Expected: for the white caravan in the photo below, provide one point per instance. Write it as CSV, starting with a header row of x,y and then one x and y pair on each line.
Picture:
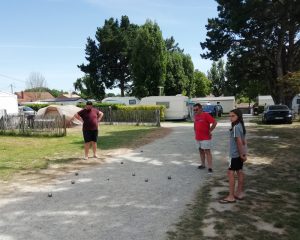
x,y
176,106
296,104
8,103
121,100
227,103
265,100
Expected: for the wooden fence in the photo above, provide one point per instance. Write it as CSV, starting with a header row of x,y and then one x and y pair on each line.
x,y
33,125
136,117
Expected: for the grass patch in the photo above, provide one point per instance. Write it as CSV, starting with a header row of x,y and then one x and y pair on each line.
x,y
32,153
271,209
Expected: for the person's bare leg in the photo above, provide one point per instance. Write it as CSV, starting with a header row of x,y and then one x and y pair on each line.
x,y
240,187
94,144
208,158
230,197
86,149
202,157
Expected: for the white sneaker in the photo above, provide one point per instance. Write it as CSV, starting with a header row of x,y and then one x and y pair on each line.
x,y
86,158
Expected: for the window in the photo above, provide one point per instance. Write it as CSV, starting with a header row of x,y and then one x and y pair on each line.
x,y
298,100
166,104
132,102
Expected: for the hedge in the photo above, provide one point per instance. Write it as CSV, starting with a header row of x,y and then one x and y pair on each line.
x,y
37,106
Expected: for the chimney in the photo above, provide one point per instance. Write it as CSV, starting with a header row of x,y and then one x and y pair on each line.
x,y
22,95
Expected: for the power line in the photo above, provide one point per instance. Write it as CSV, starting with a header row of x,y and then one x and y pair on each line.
x,y
12,78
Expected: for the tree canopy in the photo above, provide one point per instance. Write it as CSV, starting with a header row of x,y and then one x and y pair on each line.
x,y
264,36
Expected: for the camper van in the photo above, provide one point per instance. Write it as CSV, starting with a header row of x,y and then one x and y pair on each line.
x,y
227,103
265,100
8,103
176,106
296,104
121,100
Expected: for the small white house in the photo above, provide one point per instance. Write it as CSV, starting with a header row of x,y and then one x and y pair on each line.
x,y
296,103
228,103
176,106
122,100
265,100
8,103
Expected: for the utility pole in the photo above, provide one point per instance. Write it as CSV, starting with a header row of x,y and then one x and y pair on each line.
x,y
11,88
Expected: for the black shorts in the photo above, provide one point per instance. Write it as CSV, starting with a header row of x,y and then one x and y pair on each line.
x,y
90,135
236,164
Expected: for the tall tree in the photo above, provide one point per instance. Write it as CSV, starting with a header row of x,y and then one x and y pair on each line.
x,y
36,83
148,60
202,84
266,31
109,56
188,68
216,75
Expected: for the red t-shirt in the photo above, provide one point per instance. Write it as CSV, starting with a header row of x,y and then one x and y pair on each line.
x,y
90,118
202,123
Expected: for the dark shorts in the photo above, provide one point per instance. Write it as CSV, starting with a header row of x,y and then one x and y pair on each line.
x,y
236,164
90,135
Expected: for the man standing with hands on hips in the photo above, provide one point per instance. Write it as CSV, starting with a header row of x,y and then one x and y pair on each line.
x,y
90,117
204,124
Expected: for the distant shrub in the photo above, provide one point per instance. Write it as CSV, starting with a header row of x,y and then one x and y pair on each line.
x,y
37,106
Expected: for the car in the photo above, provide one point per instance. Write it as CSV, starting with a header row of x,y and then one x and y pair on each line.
x,y
211,109
26,111
277,113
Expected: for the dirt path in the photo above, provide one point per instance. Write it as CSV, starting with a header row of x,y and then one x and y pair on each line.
x,y
108,202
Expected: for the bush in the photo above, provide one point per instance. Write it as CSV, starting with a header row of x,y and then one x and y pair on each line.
x,y
37,106
115,106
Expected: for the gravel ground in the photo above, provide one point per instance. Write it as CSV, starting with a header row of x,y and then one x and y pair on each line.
x,y
108,203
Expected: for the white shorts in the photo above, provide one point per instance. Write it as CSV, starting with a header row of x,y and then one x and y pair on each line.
x,y
204,144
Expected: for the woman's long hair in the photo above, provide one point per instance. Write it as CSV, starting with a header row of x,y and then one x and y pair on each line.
x,y
240,119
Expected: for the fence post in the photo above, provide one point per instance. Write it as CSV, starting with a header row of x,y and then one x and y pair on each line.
x,y
64,125
110,115
157,112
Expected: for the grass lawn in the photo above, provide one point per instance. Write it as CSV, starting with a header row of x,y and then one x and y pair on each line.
x,y
271,208
33,153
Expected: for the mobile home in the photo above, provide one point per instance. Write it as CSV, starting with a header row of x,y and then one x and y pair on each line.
x,y
265,100
296,104
8,103
228,103
176,106
121,100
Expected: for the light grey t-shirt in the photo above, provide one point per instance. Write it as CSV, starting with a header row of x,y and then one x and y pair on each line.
x,y
237,131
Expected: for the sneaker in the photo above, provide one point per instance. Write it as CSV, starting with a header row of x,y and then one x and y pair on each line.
x,y
210,170
86,158
201,167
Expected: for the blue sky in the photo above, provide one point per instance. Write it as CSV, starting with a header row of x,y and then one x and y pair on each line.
x,y
49,36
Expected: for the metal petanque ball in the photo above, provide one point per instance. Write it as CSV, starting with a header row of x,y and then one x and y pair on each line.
x,y
76,174
107,179
169,177
72,181
49,194
121,162
146,180
133,174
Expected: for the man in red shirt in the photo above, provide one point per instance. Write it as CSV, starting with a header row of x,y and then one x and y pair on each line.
x,y
90,117
204,124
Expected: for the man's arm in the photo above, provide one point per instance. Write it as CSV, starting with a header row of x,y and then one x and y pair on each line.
x,y
100,115
213,126
78,117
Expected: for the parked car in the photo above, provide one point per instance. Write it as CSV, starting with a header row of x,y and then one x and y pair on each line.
x,y
26,111
211,109
277,113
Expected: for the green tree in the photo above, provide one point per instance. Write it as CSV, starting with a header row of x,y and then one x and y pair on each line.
x,y
148,60
188,68
216,75
202,84
109,56
266,32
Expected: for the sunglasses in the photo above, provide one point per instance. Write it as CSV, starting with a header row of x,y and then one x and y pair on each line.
x,y
195,110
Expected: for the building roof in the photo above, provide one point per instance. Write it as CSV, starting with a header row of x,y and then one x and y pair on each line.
x,y
33,96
